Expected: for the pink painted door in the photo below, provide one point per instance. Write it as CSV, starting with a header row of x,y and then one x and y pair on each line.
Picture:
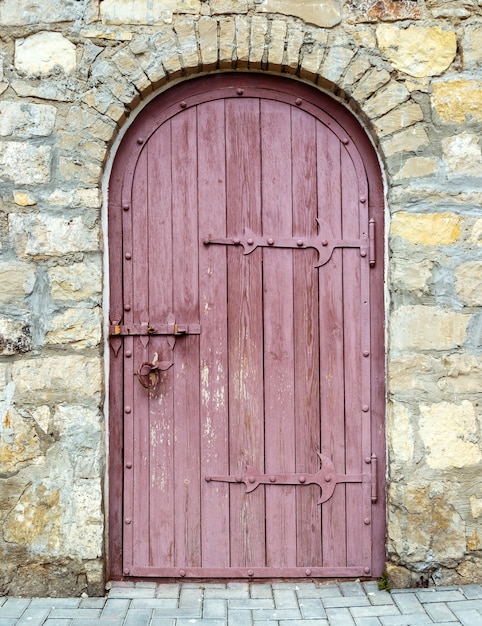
x,y
247,337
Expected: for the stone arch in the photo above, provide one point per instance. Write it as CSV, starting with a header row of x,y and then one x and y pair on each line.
x,y
124,75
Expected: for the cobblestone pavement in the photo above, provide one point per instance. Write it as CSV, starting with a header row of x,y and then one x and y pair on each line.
x,y
252,604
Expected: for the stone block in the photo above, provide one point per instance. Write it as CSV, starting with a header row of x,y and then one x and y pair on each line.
x,y
208,43
219,7
15,337
78,282
16,281
227,43
293,48
419,374
313,52
370,82
386,99
357,68
411,275
450,434
418,327
276,45
58,88
407,140
167,47
336,61
243,36
451,8
472,45
258,43
417,50
401,117
430,229
400,434
43,52
83,526
23,119
24,163
26,12
468,283
461,374
147,12
20,445
188,43
462,154
45,236
73,198
79,328
416,167
458,99
325,14
380,10
73,379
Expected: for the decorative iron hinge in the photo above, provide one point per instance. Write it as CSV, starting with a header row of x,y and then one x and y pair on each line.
x,y
326,478
250,241
136,330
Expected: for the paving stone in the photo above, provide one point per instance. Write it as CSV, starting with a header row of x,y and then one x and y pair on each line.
x,y
13,608
311,608
469,617
472,592
285,598
57,622
373,611
7,622
475,605
440,612
260,590
439,596
190,597
162,622
239,617
303,622
115,608
202,622
92,603
276,614
367,621
75,613
251,603
214,607
33,617
415,619
329,591
344,601
156,603
56,603
352,589
408,603
138,617
167,591
307,590
131,592
340,617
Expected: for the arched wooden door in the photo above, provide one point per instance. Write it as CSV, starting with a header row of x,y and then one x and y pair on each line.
x,y
246,250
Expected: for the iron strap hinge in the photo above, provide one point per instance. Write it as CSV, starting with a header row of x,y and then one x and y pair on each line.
x,y
136,330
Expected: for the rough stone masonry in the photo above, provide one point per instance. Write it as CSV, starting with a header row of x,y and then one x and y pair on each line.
x,y
72,73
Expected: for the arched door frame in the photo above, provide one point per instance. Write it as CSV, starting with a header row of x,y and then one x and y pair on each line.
x,y
355,131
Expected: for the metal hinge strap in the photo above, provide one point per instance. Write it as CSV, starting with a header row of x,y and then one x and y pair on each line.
x,y
137,330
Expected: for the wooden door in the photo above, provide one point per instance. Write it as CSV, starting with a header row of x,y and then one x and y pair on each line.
x,y
246,340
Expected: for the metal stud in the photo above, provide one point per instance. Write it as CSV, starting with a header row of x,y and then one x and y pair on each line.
x,y
140,140
127,520
128,354
366,521
239,91
299,101
366,570
127,307
250,242
126,207
299,243
183,105
128,409
308,571
128,465
182,573
366,353
270,242
345,141
302,479
365,408
128,256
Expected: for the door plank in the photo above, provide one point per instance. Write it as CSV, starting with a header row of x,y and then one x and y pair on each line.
x,y
306,337
160,243
187,530
213,340
331,345
275,124
245,328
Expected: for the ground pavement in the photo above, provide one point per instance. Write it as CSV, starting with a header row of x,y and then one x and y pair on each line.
x,y
252,604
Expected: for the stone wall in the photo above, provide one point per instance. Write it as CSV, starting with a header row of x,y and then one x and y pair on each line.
x,y
71,74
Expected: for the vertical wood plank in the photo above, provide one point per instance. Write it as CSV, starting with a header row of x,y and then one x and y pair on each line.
x,y
162,520
306,337
278,332
186,366
331,345
352,358
213,340
245,327
138,257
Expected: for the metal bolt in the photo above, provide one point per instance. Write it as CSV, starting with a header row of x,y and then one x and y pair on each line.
x,y
128,256
127,307
367,521
368,460
128,465
252,479
345,141
128,409
299,242
324,242
270,242
327,478
308,572
126,207
239,91
250,573
299,101
365,408
140,140
272,479
182,573
363,252
302,479
128,354
363,199
126,572
183,105
127,520
366,353
250,241
366,570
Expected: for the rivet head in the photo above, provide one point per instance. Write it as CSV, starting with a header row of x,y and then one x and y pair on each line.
x,y
366,353
365,408
299,101
183,105
302,479
368,460
126,207
239,91
182,573
270,242
272,479
128,354
127,307
250,242
324,242
140,140
327,478
252,479
366,570
128,465
236,241
128,256
250,573
345,141
127,409
126,572
363,199
308,571
367,521
127,520
299,243
363,253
